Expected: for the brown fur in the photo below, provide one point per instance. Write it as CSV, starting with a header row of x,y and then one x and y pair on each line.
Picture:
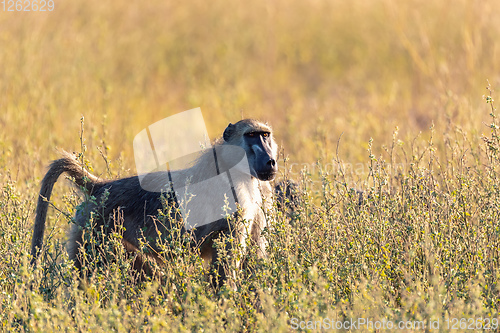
x,y
138,208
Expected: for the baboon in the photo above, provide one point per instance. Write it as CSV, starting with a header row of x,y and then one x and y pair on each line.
x,y
139,207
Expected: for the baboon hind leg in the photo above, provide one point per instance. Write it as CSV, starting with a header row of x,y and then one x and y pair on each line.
x,y
74,245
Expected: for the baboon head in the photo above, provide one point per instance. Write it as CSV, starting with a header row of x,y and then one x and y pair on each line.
x,y
257,140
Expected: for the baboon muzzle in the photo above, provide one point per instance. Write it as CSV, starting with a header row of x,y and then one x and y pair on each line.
x,y
265,164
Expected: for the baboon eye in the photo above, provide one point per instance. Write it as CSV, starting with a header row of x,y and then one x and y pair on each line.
x,y
251,134
265,135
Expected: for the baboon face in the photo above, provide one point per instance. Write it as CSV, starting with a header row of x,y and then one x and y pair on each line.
x,y
261,156
257,141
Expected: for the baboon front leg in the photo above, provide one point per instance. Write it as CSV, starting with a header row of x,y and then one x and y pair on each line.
x,y
220,262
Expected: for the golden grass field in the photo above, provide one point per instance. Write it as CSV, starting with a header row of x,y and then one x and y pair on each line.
x,y
391,91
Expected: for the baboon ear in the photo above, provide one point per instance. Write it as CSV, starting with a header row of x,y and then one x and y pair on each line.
x,y
228,132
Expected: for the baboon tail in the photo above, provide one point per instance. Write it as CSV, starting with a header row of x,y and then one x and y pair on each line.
x,y
69,164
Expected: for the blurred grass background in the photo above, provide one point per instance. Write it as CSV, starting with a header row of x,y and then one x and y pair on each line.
x,y
313,69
